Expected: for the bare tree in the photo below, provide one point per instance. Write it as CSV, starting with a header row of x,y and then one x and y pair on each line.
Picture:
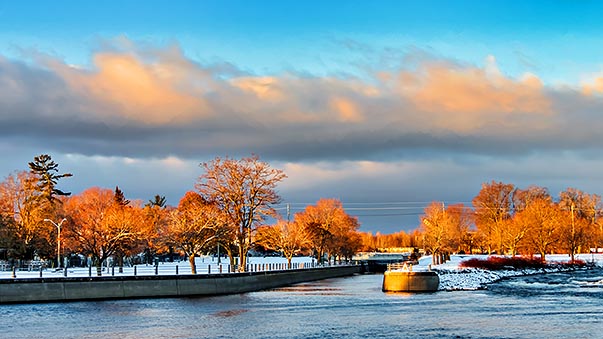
x,y
583,210
461,219
435,223
244,190
493,205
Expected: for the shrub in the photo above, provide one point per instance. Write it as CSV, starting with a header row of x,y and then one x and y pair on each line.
x,y
503,263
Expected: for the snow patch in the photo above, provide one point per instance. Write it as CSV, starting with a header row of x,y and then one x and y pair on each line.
x,y
455,278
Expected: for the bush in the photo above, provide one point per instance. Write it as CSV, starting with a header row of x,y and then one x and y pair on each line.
x,y
503,263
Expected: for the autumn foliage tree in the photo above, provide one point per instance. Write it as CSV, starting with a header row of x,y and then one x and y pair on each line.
x,y
28,233
100,227
330,228
156,214
244,190
194,225
544,219
289,238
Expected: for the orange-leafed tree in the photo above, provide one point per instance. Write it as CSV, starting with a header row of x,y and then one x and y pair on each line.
x,y
28,233
543,219
329,226
436,226
517,229
194,225
245,191
100,227
290,238
346,240
156,218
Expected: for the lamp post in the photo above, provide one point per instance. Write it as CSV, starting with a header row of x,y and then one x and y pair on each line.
x,y
58,239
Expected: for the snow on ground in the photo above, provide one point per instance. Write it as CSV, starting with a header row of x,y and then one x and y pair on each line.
x,y
205,265
453,277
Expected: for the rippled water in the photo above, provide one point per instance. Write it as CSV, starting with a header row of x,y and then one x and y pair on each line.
x,y
542,306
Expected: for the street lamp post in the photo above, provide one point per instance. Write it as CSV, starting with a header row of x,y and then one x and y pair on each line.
x,y
58,239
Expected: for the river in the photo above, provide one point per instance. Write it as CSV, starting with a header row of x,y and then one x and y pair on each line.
x,y
561,305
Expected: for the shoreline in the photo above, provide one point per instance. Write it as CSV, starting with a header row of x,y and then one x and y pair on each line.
x,y
456,278
473,279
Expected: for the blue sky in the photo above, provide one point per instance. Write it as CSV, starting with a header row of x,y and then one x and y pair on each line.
x,y
372,102
559,38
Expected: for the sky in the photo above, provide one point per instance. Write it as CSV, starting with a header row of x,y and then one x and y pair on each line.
x,y
384,105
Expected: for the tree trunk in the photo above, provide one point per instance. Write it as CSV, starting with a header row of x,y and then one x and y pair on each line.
x,y
243,256
191,260
120,260
289,262
99,269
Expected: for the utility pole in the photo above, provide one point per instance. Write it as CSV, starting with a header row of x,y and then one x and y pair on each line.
x,y
58,226
288,212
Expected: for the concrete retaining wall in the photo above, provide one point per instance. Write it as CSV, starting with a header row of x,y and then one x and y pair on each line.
x,y
69,289
404,281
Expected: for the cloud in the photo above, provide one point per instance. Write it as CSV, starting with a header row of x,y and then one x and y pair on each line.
x,y
147,101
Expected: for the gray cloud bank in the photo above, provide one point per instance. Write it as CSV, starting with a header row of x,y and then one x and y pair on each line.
x,y
137,102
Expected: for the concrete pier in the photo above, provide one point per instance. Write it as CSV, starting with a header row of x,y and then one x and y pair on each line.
x,y
405,281
94,288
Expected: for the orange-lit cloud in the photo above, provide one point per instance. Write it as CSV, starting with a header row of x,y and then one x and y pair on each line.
x,y
470,98
158,102
138,92
265,88
347,110
594,86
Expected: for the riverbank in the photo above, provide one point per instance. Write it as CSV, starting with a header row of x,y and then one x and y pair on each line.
x,y
126,287
453,277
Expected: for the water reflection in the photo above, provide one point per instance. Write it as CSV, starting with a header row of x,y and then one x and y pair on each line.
x,y
551,306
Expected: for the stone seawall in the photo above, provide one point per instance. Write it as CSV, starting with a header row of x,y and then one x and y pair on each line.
x,y
94,288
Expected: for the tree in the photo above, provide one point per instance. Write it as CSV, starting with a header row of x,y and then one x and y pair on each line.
x,y
290,238
194,225
436,223
523,197
543,218
158,201
120,198
493,206
516,230
582,210
99,227
46,172
156,217
461,219
244,190
328,225
18,203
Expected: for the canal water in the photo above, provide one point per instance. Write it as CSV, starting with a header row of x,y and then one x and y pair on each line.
x,y
563,305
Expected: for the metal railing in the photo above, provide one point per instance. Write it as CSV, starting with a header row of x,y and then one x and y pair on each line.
x,y
180,268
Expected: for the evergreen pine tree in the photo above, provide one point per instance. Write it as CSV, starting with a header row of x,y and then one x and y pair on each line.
x,y
46,172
